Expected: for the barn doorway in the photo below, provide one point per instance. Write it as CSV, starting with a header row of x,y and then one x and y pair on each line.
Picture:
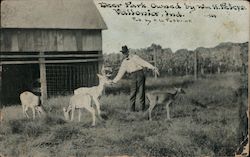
x,y
17,79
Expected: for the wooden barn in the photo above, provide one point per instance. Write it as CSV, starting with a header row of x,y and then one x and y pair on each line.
x,y
57,43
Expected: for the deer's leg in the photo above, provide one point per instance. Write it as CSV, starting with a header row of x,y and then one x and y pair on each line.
x,y
34,112
37,109
150,112
93,116
92,111
168,109
26,109
66,114
38,112
97,107
79,115
72,113
151,107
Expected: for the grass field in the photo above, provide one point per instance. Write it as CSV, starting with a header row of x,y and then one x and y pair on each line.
x,y
210,129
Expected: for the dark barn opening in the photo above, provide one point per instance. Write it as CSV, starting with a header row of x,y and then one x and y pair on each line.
x,y
17,79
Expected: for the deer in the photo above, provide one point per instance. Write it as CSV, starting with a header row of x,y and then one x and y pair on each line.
x,y
30,100
96,91
79,102
166,98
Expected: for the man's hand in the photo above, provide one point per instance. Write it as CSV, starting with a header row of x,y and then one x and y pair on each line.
x,y
156,71
112,82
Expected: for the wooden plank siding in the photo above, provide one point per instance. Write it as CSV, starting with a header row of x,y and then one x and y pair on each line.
x,y
36,40
1,72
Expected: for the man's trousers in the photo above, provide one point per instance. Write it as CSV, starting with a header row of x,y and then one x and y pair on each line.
x,y
137,89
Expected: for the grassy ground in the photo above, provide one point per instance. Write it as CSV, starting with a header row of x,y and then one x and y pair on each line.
x,y
204,123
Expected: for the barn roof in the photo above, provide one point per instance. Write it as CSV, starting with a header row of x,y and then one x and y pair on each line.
x,y
64,14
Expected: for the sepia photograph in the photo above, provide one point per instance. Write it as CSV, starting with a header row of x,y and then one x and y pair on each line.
x,y
124,78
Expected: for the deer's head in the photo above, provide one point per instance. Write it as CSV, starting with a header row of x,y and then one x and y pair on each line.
x,y
103,79
104,76
40,110
180,90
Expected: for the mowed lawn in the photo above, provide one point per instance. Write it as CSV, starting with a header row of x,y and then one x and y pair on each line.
x,y
204,122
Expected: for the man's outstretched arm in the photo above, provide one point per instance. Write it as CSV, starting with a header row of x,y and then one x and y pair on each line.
x,y
144,63
120,73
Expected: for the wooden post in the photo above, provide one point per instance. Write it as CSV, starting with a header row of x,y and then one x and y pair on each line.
x,y
195,65
1,101
186,67
100,62
218,68
43,78
155,62
202,70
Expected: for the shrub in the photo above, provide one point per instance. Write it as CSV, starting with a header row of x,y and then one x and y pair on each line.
x,y
64,133
54,120
17,126
27,127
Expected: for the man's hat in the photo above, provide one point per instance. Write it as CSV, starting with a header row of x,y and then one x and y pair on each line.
x,y
124,49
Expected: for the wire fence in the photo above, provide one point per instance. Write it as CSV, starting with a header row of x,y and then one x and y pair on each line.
x,y
62,79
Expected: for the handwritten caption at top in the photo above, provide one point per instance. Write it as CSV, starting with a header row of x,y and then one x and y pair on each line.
x,y
176,12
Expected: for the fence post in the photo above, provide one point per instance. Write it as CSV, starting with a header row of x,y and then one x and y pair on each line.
x,y
100,62
1,101
219,67
195,65
155,63
186,67
43,77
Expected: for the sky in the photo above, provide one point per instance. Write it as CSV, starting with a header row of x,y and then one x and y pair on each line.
x,y
208,27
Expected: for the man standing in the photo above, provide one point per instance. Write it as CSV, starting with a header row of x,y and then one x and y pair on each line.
x,y
134,65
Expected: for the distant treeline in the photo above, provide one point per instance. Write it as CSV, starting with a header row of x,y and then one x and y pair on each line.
x,y
225,57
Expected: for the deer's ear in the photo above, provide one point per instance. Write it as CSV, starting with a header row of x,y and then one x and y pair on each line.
x,y
99,75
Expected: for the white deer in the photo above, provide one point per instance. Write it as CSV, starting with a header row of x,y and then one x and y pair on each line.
x,y
96,91
29,100
79,102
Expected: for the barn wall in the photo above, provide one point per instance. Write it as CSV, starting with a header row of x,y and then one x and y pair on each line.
x,y
30,40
